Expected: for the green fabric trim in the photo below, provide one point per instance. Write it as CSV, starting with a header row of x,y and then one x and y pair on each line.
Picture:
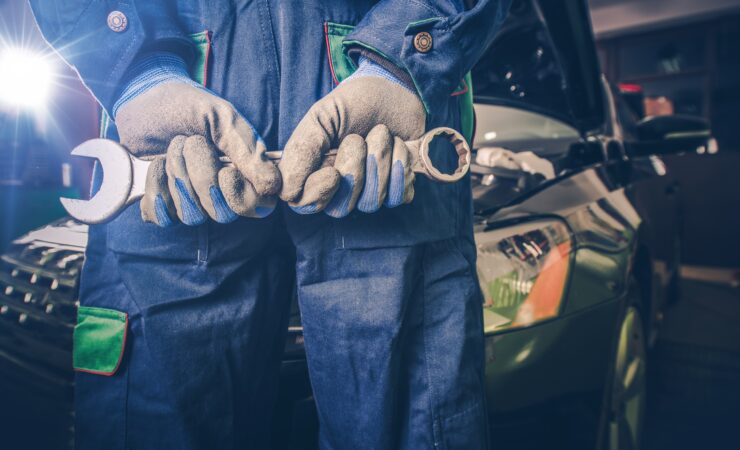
x,y
99,340
342,65
202,43
104,123
467,113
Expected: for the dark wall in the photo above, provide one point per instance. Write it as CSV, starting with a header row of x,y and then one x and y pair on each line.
x,y
710,186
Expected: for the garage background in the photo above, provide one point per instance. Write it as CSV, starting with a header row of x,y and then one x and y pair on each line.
x,y
684,55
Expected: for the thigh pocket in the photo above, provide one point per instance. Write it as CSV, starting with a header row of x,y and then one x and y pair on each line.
x,y
466,430
100,387
99,340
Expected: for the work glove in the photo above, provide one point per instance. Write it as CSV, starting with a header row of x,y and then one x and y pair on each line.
x,y
367,117
184,128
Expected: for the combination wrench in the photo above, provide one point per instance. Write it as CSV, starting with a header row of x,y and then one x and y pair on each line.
x,y
124,175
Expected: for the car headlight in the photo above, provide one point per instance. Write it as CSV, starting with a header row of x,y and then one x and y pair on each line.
x,y
523,272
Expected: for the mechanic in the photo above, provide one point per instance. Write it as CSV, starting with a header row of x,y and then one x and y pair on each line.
x,y
181,326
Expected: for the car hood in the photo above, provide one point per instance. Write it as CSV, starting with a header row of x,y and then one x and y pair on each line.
x,y
544,60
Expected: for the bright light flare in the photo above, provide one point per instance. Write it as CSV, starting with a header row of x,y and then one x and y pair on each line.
x,y
25,78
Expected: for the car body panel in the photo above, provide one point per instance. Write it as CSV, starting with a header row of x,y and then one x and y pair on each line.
x,y
561,358
546,384
561,365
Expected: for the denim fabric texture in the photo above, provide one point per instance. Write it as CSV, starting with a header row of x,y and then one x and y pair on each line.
x,y
390,302
393,340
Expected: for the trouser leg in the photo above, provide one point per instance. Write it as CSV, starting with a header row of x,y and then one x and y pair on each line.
x,y
394,345
202,351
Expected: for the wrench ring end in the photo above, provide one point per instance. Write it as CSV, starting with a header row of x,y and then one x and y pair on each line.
x,y
461,147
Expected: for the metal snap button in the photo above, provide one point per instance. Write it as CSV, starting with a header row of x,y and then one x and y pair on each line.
x,y
423,42
117,21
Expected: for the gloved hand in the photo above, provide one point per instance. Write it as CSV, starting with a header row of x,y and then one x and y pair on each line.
x,y
368,116
184,128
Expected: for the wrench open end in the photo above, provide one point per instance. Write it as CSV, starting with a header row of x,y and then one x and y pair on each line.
x,y
113,194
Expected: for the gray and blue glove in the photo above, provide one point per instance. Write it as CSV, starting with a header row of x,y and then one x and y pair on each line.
x,y
367,117
184,128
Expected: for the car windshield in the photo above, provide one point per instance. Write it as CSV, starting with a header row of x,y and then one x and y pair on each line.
x,y
517,151
518,130
525,132
521,67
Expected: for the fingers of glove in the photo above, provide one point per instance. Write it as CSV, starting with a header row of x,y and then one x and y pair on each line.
x,y
238,140
240,196
183,195
377,171
350,163
202,165
401,183
303,152
156,204
319,189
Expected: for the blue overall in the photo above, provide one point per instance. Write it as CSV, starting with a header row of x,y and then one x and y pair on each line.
x,y
390,302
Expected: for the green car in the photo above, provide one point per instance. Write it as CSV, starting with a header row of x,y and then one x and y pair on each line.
x,y
578,235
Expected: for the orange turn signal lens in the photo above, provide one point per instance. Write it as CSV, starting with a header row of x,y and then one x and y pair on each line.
x,y
523,272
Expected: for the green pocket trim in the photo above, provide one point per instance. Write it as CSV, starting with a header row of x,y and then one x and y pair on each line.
x,y
199,68
340,65
104,124
467,112
99,340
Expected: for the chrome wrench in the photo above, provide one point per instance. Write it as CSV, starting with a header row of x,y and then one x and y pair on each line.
x,y
124,175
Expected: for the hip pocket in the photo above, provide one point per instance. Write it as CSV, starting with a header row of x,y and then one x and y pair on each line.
x,y
466,430
99,340
101,385
129,234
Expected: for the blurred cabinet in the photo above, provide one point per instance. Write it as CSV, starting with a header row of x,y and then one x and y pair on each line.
x,y
693,69
662,55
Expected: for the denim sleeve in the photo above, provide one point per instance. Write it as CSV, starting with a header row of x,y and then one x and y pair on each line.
x,y
79,31
459,35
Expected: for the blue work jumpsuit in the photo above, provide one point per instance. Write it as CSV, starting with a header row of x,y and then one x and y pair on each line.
x,y
181,329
